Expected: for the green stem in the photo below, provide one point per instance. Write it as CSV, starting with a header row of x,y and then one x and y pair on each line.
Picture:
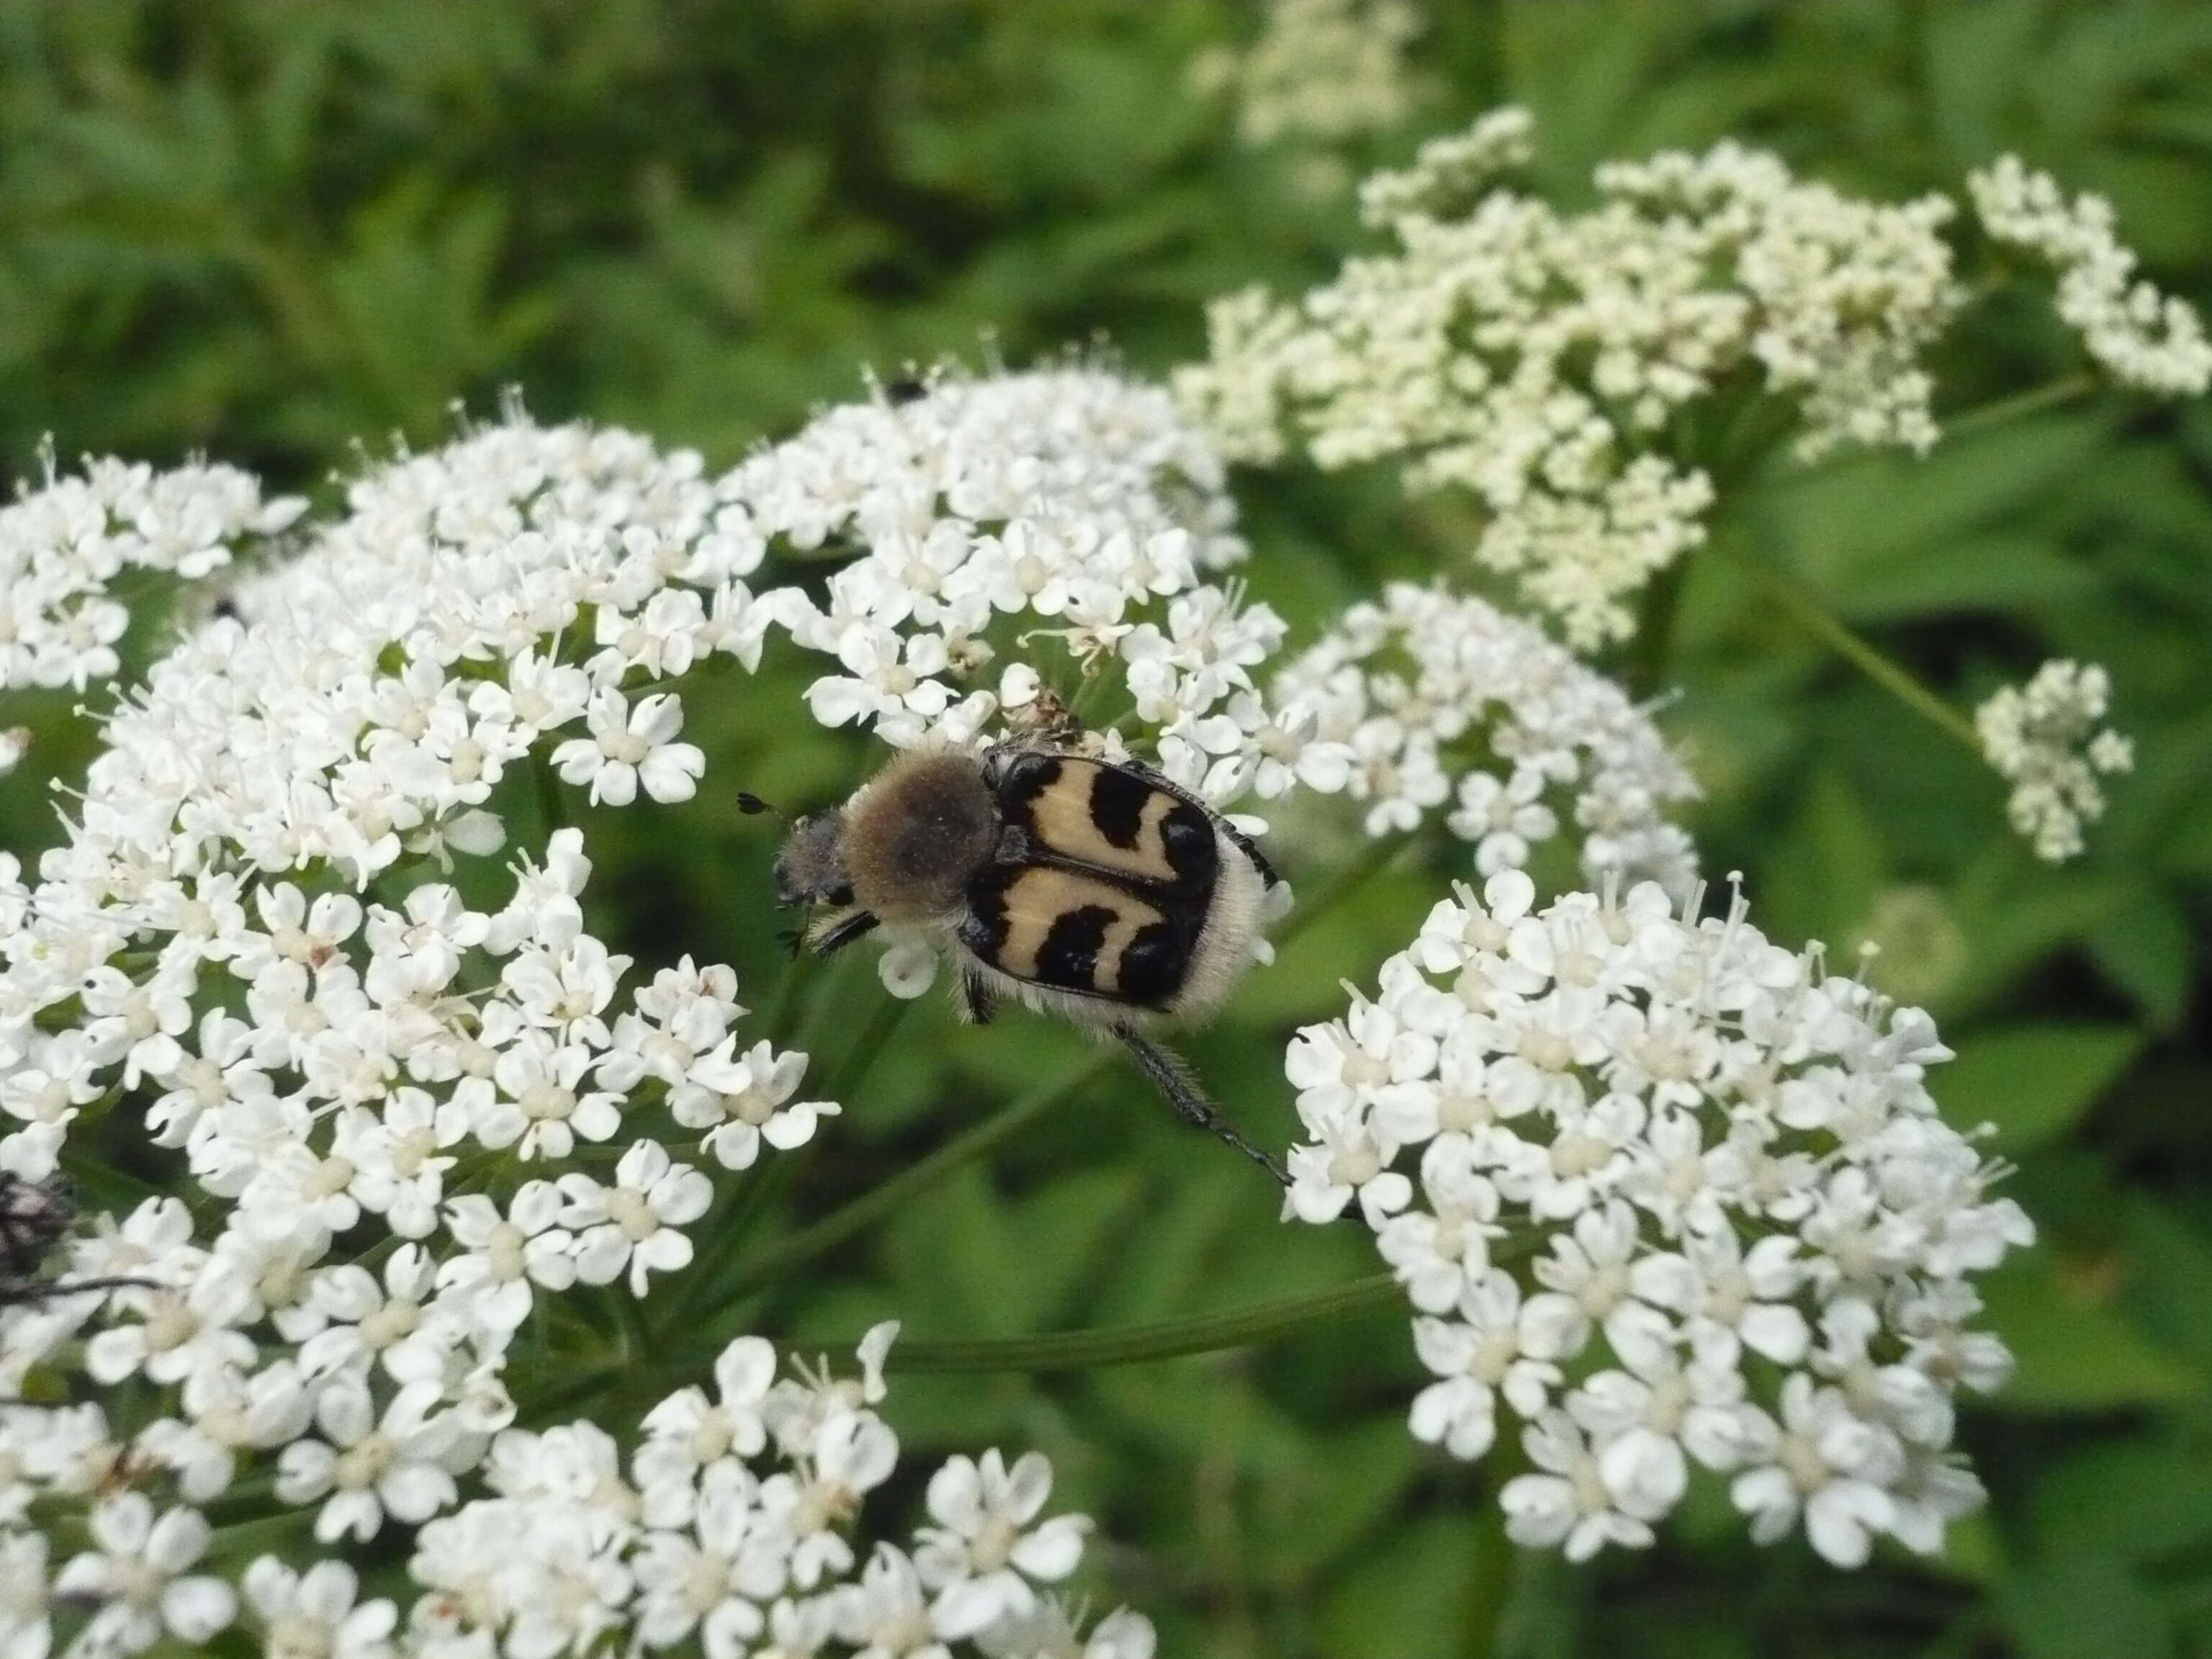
x,y
1805,606
1128,1345
243,1538
777,1019
2052,394
549,793
862,1054
796,1248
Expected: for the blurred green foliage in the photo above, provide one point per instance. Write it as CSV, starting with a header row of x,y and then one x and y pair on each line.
x,y
266,228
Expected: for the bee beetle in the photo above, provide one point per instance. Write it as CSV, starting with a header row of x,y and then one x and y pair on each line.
x,y
1095,889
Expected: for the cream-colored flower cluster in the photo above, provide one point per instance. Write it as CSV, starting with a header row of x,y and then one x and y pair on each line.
x,y
2044,738
1322,70
1541,360
2151,341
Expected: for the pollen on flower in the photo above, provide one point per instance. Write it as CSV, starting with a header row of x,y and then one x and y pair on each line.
x,y
1756,1238
2045,739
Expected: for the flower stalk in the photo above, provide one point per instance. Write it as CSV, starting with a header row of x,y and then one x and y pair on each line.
x,y
1166,1338
1805,609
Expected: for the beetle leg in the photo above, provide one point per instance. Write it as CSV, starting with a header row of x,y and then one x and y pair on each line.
x,y
981,1002
31,1292
1172,1077
840,933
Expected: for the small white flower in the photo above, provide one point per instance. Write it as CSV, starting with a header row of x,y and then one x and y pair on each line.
x,y
543,1114
134,1575
315,1613
632,746
887,1615
744,1101
687,1429
507,1256
634,1223
388,1325
982,1552
851,1453
370,1468
701,1578
1570,1506
1825,1464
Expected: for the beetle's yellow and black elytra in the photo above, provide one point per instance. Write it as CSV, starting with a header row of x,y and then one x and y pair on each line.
x,y
1111,888
1093,889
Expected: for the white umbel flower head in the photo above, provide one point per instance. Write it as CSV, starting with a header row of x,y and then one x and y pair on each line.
x,y
1536,359
1320,70
1744,1209
1408,682
2143,338
63,544
390,1108
2044,739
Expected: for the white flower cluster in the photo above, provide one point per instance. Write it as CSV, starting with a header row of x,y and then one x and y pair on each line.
x,y
2043,739
1442,701
1539,359
2152,341
62,545
967,558
732,1524
250,938
1069,505
1326,71
1753,1237
991,513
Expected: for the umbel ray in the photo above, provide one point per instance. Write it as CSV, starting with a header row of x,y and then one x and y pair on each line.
x,y
1094,889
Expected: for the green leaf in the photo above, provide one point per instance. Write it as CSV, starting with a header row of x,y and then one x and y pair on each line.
x,y
2139,1499
2001,573
2082,1607
2033,1082
2145,950
1859,519
1412,1600
1833,863
2074,1354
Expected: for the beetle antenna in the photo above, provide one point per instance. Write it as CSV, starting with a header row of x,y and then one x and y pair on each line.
x,y
1172,1077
